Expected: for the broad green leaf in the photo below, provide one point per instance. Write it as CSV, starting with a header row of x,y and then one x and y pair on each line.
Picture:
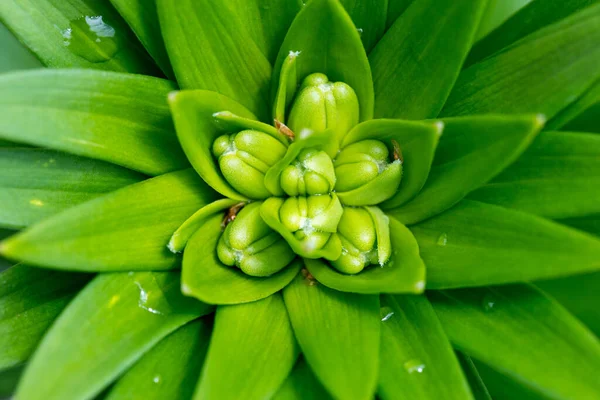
x,y
478,244
193,114
302,384
589,223
502,387
30,300
404,273
478,388
76,33
524,334
395,9
369,17
339,334
410,80
267,21
37,183
170,370
142,17
530,75
15,55
211,49
8,381
587,121
120,118
496,12
106,328
534,16
557,177
329,43
416,359
205,277
581,115
122,231
251,352
471,152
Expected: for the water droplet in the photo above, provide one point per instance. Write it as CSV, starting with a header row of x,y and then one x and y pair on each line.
x,y
360,31
386,313
443,239
489,302
145,300
91,38
156,379
414,365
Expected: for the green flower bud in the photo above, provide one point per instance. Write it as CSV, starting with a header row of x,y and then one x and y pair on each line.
x,y
244,159
365,175
252,246
312,173
321,105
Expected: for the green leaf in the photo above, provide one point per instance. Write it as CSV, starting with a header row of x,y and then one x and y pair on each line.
x,y
302,384
37,183
125,230
170,369
8,381
524,334
480,391
416,359
404,273
477,244
530,75
119,118
582,114
556,162
107,327
471,152
197,129
496,12
16,56
210,49
61,37
532,17
251,352
142,17
395,9
205,277
329,43
410,80
339,335
502,387
589,223
369,17
4,263
30,300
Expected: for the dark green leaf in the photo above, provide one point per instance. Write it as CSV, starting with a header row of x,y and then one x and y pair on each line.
x,y
8,381
339,335
557,177
170,370
589,223
251,352
301,384
480,391
119,118
410,80
37,183
496,12
369,17
417,361
30,300
524,334
477,244
328,42
395,9
581,115
4,263
125,230
108,326
76,33
206,278
543,73
471,151
15,55
502,387
211,49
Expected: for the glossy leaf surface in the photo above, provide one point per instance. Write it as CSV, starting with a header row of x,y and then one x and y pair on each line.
x,y
107,327
125,230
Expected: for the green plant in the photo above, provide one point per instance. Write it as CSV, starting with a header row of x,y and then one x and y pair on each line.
x,y
423,179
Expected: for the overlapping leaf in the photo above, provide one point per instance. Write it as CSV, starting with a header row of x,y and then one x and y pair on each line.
x,y
16,56
301,384
581,115
369,17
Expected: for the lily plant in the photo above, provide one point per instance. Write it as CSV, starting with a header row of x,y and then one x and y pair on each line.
x,y
276,199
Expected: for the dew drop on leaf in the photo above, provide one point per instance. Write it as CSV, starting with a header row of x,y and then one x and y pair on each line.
x,y
91,38
156,379
442,239
386,313
414,366
488,302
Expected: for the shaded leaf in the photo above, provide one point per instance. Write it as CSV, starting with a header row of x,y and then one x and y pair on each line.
x,y
395,9
59,34
496,12
210,49
339,334
30,300
125,230
524,334
530,75
369,18
16,56
9,379
170,369
301,384
120,118
477,244
589,223
409,79
4,263
557,177
480,391
105,329
261,332
416,359
37,183
471,152
502,387
205,277
581,115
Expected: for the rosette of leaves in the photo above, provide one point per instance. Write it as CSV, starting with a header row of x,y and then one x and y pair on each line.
x,y
492,284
